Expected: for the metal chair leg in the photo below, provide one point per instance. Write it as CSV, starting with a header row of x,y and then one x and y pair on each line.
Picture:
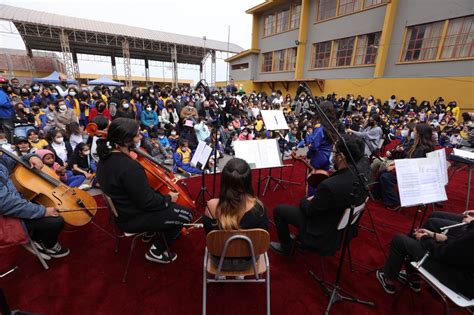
x,y
132,247
268,283
37,253
204,283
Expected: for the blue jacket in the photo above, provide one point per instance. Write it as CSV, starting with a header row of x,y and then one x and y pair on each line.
x,y
320,149
149,118
6,105
11,202
164,142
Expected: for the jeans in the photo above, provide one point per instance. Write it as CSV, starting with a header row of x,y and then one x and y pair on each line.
x,y
45,230
22,130
6,125
285,215
74,180
388,181
169,221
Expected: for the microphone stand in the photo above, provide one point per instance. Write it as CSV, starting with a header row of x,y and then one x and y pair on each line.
x,y
337,294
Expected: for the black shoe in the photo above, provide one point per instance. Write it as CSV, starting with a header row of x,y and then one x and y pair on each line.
x,y
280,249
389,288
162,257
40,249
148,236
57,251
403,277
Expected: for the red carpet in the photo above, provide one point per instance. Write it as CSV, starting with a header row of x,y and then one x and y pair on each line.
x,y
88,281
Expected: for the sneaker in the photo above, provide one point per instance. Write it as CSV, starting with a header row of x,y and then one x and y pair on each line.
x,y
279,249
40,249
57,251
415,286
148,236
389,288
85,187
162,257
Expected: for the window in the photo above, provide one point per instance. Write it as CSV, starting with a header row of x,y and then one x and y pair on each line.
x,y
295,16
279,60
367,46
267,62
322,53
269,25
371,3
459,39
326,9
291,59
283,19
348,6
240,66
342,54
422,41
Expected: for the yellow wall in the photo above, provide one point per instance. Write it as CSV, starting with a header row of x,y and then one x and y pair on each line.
x,y
460,89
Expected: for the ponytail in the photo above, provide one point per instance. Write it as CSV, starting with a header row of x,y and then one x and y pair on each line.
x,y
104,149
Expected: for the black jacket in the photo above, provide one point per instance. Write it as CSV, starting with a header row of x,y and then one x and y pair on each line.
x,y
325,210
124,180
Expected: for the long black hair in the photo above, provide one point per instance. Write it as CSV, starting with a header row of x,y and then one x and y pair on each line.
x,y
120,133
328,109
235,188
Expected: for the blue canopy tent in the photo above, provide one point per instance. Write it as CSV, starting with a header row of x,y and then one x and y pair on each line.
x,y
54,78
104,81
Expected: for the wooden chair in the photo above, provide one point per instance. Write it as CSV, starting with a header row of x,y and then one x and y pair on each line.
x,y
252,243
118,234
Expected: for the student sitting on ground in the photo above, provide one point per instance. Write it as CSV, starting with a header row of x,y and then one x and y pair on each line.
x,y
182,159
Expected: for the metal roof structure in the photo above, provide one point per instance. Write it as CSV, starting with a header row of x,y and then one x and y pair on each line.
x,y
72,35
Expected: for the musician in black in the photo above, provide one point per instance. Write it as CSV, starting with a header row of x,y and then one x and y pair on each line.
x,y
139,207
317,217
451,258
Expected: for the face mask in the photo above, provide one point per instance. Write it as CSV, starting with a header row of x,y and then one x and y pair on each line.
x,y
148,109
3,141
101,108
62,108
72,93
230,128
245,134
59,140
36,88
152,91
184,149
173,133
55,94
161,137
404,133
86,152
126,105
412,135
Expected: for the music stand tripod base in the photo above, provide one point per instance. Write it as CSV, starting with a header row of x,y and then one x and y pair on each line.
x,y
278,182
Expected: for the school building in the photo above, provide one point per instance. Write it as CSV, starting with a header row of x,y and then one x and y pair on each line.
x,y
421,48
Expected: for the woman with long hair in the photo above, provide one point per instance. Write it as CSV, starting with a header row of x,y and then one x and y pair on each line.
x,y
237,207
422,144
139,207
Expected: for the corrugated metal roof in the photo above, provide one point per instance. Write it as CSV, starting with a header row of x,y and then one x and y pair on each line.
x,y
16,14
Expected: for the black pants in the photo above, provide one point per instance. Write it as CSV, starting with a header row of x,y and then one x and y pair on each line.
x,y
45,230
284,216
404,246
169,221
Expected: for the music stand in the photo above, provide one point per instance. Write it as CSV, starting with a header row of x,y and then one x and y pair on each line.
x,y
200,158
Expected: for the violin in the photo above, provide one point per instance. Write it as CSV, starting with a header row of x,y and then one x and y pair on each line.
x,y
315,177
161,179
44,188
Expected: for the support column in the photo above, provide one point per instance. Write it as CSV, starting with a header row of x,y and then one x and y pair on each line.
x,y
213,68
114,68
201,71
255,34
147,71
302,39
174,61
126,64
77,74
30,61
67,56
385,38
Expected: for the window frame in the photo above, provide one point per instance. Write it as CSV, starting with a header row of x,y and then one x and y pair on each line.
x,y
263,62
316,53
335,59
355,6
457,39
293,5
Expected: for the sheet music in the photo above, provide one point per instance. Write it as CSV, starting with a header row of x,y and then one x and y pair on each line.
x,y
440,156
259,153
464,154
419,182
201,155
274,120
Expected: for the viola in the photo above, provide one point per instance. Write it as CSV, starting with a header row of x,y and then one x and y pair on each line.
x,y
76,206
161,179
315,177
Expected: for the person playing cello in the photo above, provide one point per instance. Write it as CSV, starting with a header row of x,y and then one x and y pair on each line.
x,y
43,224
139,207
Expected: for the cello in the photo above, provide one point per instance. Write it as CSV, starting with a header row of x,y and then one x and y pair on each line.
x,y
159,177
76,206
315,176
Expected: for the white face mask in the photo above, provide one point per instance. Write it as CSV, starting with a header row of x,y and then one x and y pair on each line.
x,y
152,91
404,133
173,133
86,152
62,108
126,105
72,93
59,140
36,88
412,135
148,109
55,94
